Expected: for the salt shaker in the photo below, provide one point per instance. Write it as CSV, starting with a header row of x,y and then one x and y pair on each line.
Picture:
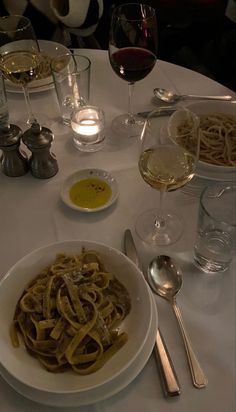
x,y
43,163
13,162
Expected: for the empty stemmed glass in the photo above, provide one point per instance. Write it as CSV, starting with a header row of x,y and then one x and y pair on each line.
x,y
132,54
167,161
19,54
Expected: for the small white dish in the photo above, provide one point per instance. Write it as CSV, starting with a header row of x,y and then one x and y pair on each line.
x,y
83,174
50,48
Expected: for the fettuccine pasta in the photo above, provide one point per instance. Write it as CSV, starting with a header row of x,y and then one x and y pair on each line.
x,y
217,138
44,68
69,314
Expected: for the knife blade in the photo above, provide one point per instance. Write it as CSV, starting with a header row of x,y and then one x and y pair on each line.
x,y
164,111
168,375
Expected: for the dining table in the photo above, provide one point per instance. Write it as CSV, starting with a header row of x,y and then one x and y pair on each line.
x,y
33,215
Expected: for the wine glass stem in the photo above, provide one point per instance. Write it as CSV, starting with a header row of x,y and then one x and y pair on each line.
x,y
160,219
131,119
31,117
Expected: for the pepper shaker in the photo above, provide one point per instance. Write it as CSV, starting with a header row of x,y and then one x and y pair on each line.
x,y
43,163
13,162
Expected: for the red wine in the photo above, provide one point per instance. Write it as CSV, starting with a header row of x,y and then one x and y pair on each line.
x,y
132,63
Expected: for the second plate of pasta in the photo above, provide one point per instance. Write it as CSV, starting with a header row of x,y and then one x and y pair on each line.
x,y
217,130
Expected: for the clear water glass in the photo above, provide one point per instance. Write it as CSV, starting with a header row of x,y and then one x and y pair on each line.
x,y
71,75
216,229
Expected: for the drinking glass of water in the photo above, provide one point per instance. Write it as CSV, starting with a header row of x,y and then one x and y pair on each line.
x,y
216,229
71,75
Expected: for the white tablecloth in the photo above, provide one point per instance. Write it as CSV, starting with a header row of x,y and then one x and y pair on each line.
x,y
32,215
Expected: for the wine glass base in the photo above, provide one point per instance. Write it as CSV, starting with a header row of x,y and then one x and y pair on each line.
x,y
167,233
123,126
41,118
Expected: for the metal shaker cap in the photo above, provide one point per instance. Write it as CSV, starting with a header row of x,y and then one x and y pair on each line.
x,y
10,136
37,137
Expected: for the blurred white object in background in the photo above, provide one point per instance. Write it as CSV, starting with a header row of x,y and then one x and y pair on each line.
x,y
230,11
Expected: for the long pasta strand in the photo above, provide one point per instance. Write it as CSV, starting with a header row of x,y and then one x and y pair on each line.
x,y
217,138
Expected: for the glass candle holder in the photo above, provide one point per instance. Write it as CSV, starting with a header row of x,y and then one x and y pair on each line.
x,y
88,124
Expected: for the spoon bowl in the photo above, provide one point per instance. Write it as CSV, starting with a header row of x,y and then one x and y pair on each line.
x,y
168,96
165,279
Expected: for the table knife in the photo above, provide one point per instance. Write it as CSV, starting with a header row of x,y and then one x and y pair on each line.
x,y
168,375
164,111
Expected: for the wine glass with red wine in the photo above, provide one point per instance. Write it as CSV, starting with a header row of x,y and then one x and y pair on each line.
x,y
132,54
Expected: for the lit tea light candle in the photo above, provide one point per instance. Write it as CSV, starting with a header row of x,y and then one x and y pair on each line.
x,y
86,127
88,124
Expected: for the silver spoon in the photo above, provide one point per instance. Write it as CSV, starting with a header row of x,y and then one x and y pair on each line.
x,y
170,97
165,279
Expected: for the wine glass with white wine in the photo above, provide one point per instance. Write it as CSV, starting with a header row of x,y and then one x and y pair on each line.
x,y
167,161
19,55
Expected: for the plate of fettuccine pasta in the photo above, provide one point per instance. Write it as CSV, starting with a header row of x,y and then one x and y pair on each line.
x,y
74,317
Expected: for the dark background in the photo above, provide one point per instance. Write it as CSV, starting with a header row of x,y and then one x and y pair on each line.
x,y
192,33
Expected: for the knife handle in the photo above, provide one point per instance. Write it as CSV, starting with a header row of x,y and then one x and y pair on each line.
x,y
169,379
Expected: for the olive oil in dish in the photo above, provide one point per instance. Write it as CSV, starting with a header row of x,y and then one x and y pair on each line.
x,y
90,193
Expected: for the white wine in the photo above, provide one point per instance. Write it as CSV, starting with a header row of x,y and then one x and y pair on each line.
x,y
167,168
20,67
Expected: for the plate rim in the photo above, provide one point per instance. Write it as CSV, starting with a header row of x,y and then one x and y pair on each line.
x,y
97,172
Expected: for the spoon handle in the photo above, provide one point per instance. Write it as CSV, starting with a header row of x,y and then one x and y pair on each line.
x,y
198,376
195,97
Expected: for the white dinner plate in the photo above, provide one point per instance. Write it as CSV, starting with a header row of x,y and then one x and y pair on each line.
x,y
206,170
215,176
107,390
50,48
26,368
86,174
